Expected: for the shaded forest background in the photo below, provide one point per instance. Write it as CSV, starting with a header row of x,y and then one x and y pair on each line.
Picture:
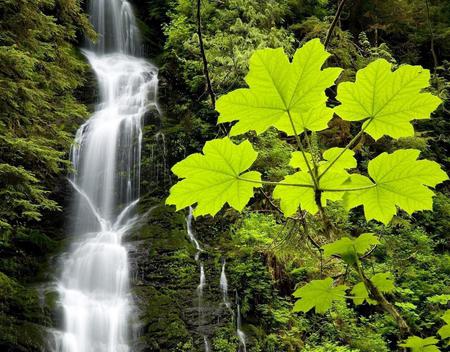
x,y
47,91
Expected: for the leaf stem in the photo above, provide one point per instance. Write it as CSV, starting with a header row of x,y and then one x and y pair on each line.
x,y
276,183
300,146
311,151
354,139
304,185
349,189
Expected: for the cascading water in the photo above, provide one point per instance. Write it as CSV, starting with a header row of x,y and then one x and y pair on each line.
x,y
202,284
224,285
191,235
106,156
241,335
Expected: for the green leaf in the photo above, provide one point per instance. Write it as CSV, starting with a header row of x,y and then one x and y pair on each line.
x,y
388,100
319,294
418,344
384,282
360,294
399,179
444,332
441,299
215,177
280,90
291,197
298,160
349,248
346,161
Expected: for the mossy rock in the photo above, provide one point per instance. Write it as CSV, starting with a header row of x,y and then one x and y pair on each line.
x,y
162,327
19,301
21,336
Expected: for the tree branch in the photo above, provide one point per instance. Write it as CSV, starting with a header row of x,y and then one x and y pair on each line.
x,y
333,23
202,52
377,295
433,52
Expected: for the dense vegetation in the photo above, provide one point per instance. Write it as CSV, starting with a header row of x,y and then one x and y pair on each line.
x,y
382,288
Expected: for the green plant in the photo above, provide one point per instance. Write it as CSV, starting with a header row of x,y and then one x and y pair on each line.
x,y
290,96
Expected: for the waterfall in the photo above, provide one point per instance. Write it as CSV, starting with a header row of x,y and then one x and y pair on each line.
x,y
93,286
224,285
239,332
202,283
191,235
206,343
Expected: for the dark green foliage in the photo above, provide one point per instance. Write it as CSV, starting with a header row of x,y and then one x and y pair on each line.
x,y
40,71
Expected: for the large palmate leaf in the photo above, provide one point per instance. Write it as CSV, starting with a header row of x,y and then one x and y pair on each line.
x,y
348,248
318,294
399,179
280,90
388,100
418,344
215,177
292,197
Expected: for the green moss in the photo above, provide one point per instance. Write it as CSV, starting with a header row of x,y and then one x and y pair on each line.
x,y
16,335
163,329
21,317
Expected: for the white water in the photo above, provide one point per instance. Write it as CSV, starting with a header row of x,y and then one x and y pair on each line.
x,y
206,343
224,285
241,335
202,283
106,156
191,235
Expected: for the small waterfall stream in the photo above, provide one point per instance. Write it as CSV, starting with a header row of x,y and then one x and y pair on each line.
x,y
202,283
224,285
93,286
239,332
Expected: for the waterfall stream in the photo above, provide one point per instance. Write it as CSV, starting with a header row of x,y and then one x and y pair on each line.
x,y
93,286
224,285
202,283
241,335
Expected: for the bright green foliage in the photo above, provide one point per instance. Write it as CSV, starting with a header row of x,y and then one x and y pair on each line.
x,y
383,281
441,299
399,180
444,332
418,344
349,249
282,94
292,197
318,294
346,161
285,94
361,295
256,230
215,177
387,100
